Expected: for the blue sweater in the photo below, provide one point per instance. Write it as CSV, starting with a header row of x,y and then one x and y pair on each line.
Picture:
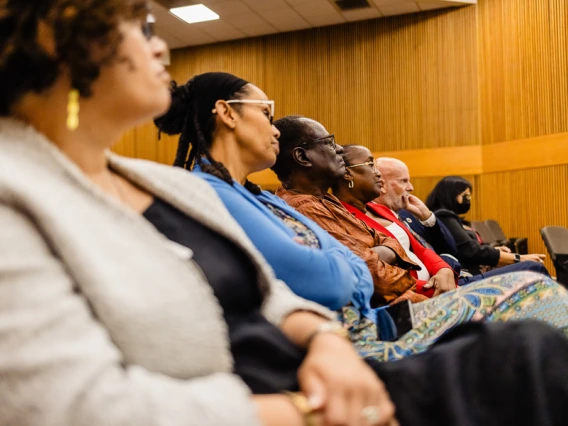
x,y
332,276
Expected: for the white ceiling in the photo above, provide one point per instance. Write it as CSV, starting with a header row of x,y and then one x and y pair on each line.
x,y
250,18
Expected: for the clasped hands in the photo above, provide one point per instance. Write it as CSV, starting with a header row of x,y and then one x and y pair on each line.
x,y
341,388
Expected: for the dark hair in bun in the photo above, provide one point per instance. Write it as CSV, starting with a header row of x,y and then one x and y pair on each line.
x,y
191,116
172,122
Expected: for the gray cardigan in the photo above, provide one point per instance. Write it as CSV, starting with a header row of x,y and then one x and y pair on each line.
x,y
101,321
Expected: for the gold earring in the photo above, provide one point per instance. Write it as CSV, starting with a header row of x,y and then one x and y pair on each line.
x,y
73,109
351,184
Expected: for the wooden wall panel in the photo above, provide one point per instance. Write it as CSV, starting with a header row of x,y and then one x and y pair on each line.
x,y
541,151
406,82
526,200
523,68
372,82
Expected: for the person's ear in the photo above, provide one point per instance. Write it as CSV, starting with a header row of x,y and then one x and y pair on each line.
x,y
347,176
226,114
301,157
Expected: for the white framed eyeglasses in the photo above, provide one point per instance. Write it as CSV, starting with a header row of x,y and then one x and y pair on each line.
x,y
254,102
368,163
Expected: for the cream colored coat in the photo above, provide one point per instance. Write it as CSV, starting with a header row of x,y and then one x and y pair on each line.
x,y
101,322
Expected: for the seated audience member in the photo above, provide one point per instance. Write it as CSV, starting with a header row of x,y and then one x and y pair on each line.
x,y
106,321
396,197
356,190
431,232
450,200
313,263
307,166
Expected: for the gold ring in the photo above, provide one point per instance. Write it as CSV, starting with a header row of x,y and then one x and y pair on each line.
x,y
371,414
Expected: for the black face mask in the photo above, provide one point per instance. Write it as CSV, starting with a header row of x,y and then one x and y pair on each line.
x,y
464,207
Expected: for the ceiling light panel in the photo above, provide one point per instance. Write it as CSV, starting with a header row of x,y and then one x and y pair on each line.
x,y
195,13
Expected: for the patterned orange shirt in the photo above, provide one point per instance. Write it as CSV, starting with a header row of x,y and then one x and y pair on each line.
x,y
392,283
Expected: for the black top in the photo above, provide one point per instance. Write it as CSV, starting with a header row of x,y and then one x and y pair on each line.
x,y
263,356
471,253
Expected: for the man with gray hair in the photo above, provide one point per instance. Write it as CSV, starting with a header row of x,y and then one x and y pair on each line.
x,y
410,210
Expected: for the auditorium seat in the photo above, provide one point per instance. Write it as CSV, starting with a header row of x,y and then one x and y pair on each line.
x,y
516,244
556,241
485,233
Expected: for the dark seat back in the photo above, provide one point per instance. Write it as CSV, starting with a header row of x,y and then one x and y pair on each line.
x,y
495,228
484,232
517,245
556,241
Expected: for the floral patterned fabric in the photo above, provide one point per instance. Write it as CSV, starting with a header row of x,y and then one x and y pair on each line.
x,y
304,235
512,297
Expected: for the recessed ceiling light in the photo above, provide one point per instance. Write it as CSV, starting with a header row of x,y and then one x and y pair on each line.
x,y
195,13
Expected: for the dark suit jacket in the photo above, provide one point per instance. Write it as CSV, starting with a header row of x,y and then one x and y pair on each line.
x,y
438,236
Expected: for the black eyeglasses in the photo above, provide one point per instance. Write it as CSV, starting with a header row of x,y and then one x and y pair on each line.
x,y
328,140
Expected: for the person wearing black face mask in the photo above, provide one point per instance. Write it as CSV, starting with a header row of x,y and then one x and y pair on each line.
x,y
450,200
465,205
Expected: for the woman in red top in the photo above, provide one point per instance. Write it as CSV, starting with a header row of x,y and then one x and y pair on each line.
x,y
361,184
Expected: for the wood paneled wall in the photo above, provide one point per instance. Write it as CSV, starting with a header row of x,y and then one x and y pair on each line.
x,y
526,200
523,57
523,46
406,82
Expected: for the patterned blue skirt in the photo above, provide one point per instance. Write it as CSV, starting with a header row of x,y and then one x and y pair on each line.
x,y
511,297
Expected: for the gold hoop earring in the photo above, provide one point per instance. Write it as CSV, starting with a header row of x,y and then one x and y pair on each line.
x,y
73,109
351,184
